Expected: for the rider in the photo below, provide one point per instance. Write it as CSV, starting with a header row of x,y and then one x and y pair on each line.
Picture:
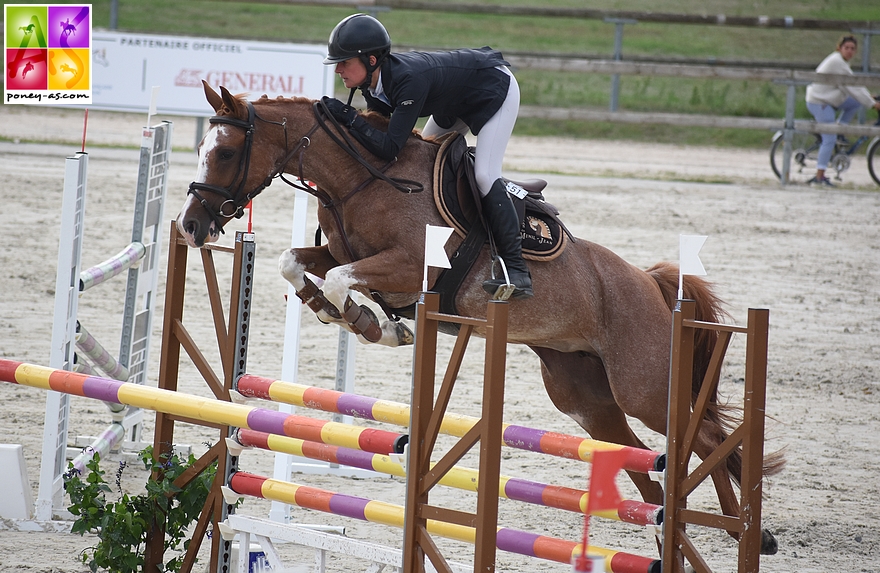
x,y
459,90
824,100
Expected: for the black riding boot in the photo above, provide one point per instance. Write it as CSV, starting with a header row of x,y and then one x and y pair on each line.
x,y
504,224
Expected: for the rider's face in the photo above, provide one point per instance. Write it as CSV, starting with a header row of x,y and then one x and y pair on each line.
x,y
352,71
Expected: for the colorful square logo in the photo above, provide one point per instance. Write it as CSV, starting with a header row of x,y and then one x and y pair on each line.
x,y
47,54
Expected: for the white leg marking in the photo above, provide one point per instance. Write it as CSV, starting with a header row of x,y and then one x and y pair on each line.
x,y
578,419
389,334
291,269
337,284
295,273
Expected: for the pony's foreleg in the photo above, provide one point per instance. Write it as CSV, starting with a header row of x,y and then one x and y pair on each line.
x,y
363,322
293,265
358,319
336,306
314,298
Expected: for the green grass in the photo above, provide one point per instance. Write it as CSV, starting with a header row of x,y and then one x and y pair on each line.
x,y
679,135
588,38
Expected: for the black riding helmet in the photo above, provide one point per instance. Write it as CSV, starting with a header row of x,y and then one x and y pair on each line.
x,y
359,36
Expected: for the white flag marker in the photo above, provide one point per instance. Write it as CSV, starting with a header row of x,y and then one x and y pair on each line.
x,y
689,258
435,254
153,97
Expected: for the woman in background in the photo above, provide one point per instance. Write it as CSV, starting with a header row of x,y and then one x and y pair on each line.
x,y
825,100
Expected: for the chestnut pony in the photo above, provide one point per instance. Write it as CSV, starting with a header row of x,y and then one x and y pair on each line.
x,y
600,326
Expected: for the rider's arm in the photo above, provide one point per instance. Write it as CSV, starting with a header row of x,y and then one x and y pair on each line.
x,y
411,95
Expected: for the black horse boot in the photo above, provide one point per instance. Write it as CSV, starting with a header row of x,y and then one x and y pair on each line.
x,y
504,225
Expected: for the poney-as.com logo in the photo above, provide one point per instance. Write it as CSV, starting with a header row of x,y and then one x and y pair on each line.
x,y
48,56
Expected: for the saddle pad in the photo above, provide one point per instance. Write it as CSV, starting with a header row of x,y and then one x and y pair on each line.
x,y
543,236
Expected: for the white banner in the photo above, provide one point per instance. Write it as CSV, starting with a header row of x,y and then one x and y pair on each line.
x,y
125,67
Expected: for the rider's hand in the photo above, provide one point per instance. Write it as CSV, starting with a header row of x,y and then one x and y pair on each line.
x,y
341,112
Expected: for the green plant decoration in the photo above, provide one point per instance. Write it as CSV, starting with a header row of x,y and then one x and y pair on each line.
x,y
122,526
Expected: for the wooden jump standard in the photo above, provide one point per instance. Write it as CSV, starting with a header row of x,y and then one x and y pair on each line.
x,y
684,424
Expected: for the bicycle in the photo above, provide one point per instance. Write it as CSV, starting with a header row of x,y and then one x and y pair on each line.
x,y
805,149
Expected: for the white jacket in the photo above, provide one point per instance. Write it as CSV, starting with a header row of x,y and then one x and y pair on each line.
x,y
835,95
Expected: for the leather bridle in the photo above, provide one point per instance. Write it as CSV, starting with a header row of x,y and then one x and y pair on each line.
x,y
235,201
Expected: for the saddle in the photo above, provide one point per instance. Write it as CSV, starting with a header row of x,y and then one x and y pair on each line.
x,y
456,196
544,236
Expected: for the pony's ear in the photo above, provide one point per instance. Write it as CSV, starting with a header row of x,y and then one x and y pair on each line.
x,y
233,104
213,99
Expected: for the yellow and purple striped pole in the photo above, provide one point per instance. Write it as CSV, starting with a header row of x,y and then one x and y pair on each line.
x,y
102,444
99,355
514,436
559,497
113,266
510,540
203,409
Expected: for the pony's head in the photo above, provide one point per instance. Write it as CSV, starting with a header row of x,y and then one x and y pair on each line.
x,y
228,175
248,144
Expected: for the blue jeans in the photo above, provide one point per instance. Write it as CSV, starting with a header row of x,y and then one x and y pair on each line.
x,y
824,113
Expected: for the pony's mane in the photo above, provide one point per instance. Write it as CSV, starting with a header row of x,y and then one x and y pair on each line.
x,y
263,99
280,99
374,118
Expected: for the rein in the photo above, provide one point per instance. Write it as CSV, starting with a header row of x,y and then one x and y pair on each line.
x,y
345,142
322,114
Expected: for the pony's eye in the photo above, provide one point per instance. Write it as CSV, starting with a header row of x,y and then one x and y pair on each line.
x,y
226,154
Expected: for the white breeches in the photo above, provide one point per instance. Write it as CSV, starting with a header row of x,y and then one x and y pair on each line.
x,y
493,138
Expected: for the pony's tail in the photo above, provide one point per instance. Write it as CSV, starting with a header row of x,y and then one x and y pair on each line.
x,y
721,418
709,308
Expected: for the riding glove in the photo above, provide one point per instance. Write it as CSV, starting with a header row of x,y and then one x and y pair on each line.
x,y
341,112
371,138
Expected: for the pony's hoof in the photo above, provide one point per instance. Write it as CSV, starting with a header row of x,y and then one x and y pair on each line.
x,y
769,545
405,336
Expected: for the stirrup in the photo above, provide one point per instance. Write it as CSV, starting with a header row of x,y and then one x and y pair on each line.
x,y
503,292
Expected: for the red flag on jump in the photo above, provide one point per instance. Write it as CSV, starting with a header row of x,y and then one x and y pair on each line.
x,y
604,494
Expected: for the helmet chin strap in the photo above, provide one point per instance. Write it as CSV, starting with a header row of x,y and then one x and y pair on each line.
x,y
365,85
351,96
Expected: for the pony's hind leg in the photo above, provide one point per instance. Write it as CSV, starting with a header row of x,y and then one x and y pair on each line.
x,y
711,436
577,385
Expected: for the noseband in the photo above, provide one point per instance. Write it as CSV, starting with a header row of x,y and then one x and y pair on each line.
x,y
236,201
